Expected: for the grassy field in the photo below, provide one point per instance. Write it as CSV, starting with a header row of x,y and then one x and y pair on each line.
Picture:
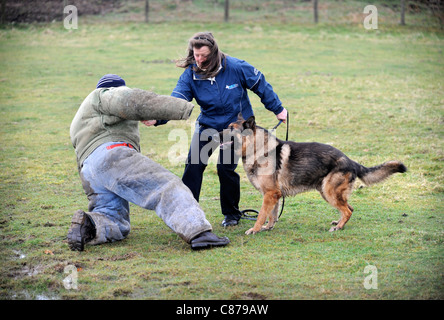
x,y
377,95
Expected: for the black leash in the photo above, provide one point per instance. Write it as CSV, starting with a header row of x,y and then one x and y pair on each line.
x,y
244,214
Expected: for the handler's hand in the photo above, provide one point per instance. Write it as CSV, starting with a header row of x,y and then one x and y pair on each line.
x,y
282,116
149,123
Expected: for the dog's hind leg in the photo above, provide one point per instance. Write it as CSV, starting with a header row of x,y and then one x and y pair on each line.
x,y
271,200
336,189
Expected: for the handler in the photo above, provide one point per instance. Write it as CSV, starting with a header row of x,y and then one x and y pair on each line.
x,y
105,136
219,84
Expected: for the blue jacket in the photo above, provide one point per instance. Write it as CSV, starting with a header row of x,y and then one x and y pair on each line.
x,y
222,98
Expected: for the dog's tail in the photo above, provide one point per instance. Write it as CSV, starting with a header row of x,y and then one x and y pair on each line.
x,y
379,173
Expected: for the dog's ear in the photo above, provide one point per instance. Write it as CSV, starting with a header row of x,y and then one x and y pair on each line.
x,y
240,117
250,123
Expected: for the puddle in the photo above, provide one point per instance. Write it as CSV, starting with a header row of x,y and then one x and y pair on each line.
x,y
27,270
43,297
25,295
18,254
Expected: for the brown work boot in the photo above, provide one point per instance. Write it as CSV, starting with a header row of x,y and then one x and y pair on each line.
x,y
82,230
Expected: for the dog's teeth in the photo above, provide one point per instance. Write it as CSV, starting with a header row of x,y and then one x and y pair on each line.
x,y
226,143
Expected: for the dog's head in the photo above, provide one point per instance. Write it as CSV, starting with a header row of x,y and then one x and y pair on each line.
x,y
236,132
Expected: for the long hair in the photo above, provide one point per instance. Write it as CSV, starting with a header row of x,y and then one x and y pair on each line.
x,y
214,60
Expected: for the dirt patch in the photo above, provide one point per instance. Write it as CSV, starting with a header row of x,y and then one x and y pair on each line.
x,y
25,270
248,296
120,257
52,10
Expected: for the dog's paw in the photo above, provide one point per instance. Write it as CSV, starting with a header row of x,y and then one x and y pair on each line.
x,y
250,231
332,229
266,228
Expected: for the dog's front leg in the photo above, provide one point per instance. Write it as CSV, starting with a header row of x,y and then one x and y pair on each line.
x,y
271,198
272,218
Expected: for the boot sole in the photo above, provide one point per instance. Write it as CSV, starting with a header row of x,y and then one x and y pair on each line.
x,y
208,245
75,239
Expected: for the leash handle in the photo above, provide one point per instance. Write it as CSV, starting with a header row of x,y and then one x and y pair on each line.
x,y
288,124
245,215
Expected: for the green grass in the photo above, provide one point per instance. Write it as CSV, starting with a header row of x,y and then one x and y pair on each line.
x,y
375,95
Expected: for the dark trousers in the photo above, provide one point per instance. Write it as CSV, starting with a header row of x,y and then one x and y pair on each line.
x,y
203,144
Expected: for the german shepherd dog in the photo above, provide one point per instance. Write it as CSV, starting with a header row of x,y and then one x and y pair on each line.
x,y
284,168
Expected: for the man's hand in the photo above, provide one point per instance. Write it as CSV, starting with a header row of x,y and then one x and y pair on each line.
x,y
282,116
149,123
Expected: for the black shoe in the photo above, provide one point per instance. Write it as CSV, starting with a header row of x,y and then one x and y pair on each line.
x,y
82,230
228,222
207,240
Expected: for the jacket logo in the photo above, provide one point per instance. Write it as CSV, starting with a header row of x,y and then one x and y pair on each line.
x,y
229,87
